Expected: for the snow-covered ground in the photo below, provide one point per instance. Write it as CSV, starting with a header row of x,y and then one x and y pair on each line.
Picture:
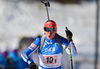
x,y
19,19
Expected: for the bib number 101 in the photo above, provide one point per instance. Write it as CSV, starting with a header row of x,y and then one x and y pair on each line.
x,y
49,59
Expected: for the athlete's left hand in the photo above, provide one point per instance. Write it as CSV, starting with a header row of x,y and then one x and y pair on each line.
x,y
69,34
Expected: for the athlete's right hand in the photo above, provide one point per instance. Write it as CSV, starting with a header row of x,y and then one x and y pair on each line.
x,y
33,66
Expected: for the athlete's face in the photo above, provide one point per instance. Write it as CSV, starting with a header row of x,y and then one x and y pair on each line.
x,y
50,35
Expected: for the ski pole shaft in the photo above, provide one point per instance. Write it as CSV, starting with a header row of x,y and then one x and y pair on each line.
x,y
71,57
47,13
47,4
70,50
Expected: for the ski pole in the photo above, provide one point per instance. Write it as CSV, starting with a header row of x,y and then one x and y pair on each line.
x,y
70,49
47,4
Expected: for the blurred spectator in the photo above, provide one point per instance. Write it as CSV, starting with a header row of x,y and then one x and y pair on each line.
x,y
9,64
4,54
2,62
12,59
17,61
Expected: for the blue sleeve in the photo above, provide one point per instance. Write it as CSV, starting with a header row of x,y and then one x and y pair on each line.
x,y
25,54
73,49
37,41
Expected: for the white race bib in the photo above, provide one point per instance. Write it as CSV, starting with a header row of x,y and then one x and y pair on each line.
x,y
50,59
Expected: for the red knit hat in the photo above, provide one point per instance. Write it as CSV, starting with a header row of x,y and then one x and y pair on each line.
x,y
50,24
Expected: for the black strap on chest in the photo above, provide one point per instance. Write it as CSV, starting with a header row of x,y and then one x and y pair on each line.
x,y
58,43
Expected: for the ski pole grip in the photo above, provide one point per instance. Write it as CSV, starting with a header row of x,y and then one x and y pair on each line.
x,y
66,31
46,3
66,28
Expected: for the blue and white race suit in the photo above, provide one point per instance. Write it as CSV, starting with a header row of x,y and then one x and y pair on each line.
x,y
50,54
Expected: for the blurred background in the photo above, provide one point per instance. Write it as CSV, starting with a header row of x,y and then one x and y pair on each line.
x,y
21,22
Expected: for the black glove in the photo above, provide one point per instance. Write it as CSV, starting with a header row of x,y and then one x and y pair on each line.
x,y
69,35
33,66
